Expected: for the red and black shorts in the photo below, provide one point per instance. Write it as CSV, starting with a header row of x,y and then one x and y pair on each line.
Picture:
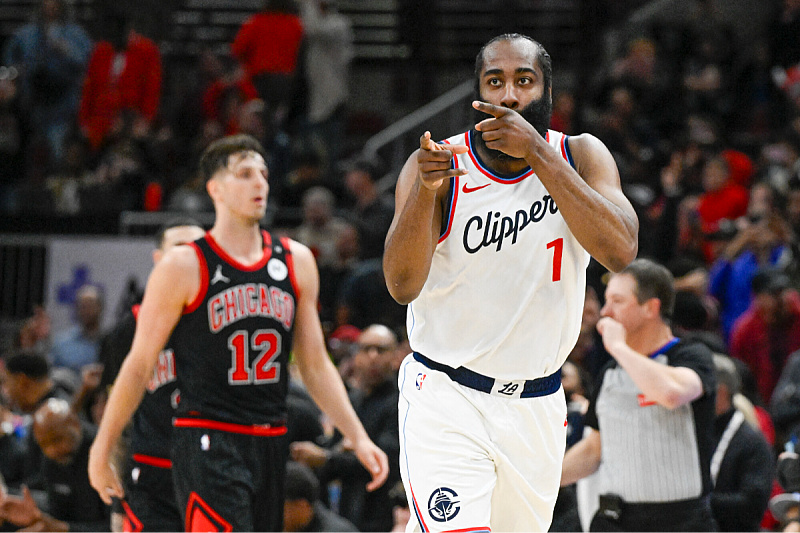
x,y
150,503
229,477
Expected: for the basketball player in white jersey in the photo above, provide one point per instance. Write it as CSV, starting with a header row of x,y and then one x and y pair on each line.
x,y
489,245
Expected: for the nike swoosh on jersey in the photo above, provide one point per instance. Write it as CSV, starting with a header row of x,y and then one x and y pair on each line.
x,y
466,189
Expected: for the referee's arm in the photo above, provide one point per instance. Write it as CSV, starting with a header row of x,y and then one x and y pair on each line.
x,y
582,459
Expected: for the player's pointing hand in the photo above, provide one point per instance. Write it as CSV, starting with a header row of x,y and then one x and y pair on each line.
x,y
436,161
505,130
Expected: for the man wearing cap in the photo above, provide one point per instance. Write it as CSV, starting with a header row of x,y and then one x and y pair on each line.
x,y
765,335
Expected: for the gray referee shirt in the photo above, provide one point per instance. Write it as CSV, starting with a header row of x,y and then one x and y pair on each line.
x,y
652,454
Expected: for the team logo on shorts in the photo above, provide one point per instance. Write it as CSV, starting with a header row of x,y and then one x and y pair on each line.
x,y
442,505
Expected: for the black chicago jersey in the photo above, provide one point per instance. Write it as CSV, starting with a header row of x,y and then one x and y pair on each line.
x,y
232,343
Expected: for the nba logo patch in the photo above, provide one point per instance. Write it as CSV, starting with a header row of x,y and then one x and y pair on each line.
x,y
420,378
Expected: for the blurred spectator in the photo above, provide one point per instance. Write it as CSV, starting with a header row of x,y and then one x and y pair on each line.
x,y
373,212
785,404
72,503
762,241
722,200
320,229
742,462
342,347
333,274
328,52
27,385
12,449
225,95
628,134
765,335
307,171
376,365
364,298
78,345
588,353
649,76
785,28
124,74
302,510
268,47
564,113
50,54
34,335
577,389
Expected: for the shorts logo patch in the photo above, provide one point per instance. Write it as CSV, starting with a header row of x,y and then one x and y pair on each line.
x,y
420,378
442,505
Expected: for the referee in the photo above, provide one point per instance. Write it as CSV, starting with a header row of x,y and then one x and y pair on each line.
x,y
652,414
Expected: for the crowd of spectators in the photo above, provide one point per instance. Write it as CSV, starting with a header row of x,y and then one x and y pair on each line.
x,y
705,131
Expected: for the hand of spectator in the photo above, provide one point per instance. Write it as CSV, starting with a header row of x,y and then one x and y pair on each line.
x,y
671,175
21,512
91,375
308,453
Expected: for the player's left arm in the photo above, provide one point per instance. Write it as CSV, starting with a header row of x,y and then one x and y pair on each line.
x,y
320,376
588,196
668,386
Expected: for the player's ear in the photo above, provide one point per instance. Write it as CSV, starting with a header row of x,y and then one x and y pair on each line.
x,y
211,188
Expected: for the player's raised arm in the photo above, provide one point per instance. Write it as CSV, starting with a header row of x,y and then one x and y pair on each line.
x,y
172,284
588,196
320,376
414,231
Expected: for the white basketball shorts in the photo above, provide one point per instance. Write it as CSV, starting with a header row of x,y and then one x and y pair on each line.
x,y
474,461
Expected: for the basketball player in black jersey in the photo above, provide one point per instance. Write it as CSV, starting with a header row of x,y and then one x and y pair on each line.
x,y
239,301
149,503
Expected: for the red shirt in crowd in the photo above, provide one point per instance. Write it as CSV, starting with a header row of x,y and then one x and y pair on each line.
x,y
114,83
269,43
765,348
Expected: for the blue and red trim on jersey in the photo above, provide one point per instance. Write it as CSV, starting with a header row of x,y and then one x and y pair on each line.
x,y
565,151
486,171
229,427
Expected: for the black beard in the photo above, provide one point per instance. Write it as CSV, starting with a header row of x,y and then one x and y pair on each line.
x,y
537,114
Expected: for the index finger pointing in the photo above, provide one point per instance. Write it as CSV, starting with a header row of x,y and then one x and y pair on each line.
x,y
490,109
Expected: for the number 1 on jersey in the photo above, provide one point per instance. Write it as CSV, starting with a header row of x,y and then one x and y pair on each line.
x,y
558,249
263,368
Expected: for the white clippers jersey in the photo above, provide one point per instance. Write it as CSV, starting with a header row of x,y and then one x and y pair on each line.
x,y
504,296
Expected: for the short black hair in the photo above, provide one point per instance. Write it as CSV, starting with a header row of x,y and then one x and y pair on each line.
x,y
653,280
542,57
217,154
174,222
301,483
32,365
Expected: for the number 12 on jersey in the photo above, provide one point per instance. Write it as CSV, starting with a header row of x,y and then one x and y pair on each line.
x,y
263,368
